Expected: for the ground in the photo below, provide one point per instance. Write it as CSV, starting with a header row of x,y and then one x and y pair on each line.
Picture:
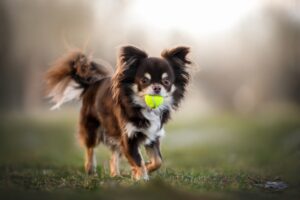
x,y
221,156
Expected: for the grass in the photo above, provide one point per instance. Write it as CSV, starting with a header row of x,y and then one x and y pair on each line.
x,y
223,156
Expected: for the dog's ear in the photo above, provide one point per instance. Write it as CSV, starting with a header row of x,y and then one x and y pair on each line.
x,y
177,58
177,54
127,62
130,54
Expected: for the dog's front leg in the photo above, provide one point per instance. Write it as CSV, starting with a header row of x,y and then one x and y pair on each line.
x,y
134,157
153,152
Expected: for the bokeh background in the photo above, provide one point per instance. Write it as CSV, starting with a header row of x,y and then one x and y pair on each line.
x,y
238,127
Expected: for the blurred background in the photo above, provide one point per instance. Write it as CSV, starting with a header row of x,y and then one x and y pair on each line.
x,y
246,53
242,107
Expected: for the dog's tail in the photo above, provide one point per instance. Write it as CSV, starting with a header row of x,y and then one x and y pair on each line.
x,y
71,75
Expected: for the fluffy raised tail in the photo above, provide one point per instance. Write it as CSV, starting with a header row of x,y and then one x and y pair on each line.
x,y
71,75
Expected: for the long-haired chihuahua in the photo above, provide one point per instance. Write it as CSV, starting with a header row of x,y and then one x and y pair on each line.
x,y
114,111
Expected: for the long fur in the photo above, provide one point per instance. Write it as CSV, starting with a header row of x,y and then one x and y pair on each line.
x,y
127,62
65,80
113,112
177,58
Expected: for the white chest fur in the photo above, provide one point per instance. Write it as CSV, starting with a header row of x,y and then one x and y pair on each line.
x,y
153,131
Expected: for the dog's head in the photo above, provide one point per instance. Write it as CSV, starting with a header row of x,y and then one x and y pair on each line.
x,y
138,75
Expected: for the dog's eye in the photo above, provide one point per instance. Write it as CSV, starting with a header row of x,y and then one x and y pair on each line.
x,y
166,82
145,81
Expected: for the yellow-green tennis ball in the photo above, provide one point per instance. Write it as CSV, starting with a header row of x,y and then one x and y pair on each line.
x,y
153,101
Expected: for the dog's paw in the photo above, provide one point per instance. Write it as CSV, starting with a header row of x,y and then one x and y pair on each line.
x,y
146,177
115,174
139,174
91,169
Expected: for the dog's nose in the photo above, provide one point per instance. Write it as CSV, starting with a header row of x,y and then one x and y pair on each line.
x,y
156,89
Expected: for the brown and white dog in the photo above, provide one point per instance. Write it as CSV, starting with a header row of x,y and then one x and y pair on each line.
x,y
113,110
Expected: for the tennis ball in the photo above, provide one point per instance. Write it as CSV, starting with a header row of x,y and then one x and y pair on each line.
x,y
153,101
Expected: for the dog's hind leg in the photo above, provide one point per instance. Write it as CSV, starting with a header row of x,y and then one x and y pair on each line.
x,y
114,163
90,164
90,138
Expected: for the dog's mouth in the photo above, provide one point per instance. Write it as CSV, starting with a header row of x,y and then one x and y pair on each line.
x,y
142,94
153,94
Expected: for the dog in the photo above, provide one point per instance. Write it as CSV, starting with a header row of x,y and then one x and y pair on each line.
x,y
113,110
